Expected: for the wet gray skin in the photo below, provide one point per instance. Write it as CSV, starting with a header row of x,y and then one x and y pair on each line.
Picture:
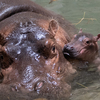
x,y
31,59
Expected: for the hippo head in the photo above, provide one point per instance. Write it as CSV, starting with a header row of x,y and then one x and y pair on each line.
x,y
83,46
31,56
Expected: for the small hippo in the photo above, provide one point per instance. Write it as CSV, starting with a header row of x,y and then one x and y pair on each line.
x,y
31,59
83,46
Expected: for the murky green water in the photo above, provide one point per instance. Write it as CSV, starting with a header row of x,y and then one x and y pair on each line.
x,y
73,10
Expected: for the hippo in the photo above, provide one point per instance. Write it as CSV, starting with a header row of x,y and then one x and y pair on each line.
x,y
32,64
82,48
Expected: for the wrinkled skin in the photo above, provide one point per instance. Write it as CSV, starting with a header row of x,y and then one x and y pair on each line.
x,y
82,47
31,59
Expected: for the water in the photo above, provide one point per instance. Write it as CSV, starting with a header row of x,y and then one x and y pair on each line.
x,y
86,87
73,10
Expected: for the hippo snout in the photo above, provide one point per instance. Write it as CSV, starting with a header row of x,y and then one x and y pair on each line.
x,y
69,50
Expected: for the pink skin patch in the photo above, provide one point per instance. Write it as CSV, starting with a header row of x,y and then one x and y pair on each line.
x,y
82,51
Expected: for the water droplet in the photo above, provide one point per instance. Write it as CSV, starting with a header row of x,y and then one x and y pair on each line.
x,y
19,51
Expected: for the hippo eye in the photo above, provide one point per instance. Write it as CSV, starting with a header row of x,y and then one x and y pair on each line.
x,y
53,48
87,42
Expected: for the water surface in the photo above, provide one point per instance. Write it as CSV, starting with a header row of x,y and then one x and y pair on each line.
x,y
73,10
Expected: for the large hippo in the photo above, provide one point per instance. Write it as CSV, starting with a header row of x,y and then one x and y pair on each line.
x,y
32,64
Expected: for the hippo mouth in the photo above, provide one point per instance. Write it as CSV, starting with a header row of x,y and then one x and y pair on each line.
x,y
69,53
74,54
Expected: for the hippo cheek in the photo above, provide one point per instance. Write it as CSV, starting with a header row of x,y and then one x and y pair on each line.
x,y
54,66
86,54
81,54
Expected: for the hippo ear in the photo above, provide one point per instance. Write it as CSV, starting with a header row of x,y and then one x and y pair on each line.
x,y
97,38
53,27
80,31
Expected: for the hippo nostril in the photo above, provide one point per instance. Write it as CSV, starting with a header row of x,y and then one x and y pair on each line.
x,y
38,85
72,48
67,46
